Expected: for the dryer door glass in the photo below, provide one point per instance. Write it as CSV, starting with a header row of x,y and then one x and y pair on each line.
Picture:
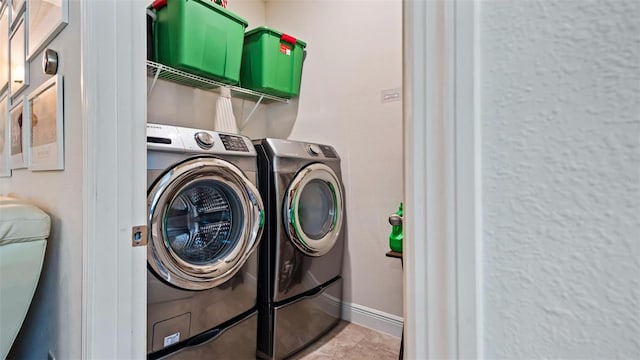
x,y
313,209
317,209
203,220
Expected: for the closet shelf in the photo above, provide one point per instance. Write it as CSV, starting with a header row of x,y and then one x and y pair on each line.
x,y
159,71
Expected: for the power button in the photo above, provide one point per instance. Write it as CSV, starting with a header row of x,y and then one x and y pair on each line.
x,y
313,150
204,140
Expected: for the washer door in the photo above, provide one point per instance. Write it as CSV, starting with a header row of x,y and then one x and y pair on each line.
x,y
205,220
313,209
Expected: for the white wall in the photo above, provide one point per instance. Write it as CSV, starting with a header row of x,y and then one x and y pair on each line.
x,y
354,52
54,319
251,10
561,173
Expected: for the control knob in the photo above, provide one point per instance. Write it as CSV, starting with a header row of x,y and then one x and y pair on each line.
x,y
314,149
204,140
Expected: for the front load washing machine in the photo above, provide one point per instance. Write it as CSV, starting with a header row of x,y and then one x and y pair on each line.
x,y
300,283
205,221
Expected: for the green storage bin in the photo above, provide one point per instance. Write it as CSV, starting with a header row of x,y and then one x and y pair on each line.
x,y
272,62
200,37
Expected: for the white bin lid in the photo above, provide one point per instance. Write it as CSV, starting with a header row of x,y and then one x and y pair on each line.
x,y
22,222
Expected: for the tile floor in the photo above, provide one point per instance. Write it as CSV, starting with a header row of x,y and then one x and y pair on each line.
x,y
350,341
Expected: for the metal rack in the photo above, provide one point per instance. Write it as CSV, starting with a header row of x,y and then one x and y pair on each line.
x,y
159,71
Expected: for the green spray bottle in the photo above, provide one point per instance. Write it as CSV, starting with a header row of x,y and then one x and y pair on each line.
x,y
395,238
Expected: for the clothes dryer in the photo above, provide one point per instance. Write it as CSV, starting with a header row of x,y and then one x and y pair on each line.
x,y
205,219
300,283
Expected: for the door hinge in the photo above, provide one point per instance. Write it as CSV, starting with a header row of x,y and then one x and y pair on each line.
x,y
139,235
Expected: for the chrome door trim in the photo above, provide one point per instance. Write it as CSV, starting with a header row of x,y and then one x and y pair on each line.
x,y
160,254
303,242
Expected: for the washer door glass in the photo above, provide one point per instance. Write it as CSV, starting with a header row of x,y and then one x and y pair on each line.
x,y
313,209
205,220
202,222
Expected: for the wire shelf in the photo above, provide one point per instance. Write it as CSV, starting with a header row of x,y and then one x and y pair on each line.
x,y
160,71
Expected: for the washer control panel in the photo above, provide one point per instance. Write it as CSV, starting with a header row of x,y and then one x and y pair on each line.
x,y
196,141
204,140
234,143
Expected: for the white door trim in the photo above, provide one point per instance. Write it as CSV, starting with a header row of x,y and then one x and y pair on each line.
x,y
114,178
468,150
442,256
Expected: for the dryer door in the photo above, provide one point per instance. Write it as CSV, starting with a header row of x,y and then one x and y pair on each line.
x,y
313,209
205,220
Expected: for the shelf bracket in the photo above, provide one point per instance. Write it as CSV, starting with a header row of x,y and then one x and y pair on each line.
x,y
155,78
255,107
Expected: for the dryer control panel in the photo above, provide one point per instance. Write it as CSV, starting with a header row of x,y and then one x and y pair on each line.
x,y
301,150
313,150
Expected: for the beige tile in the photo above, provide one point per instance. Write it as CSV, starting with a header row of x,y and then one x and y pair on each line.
x,y
354,332
343,341
382,342
349,341
314,356
325,345
366,351
380,347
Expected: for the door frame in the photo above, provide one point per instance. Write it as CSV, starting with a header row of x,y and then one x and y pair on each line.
x,y
443,276
442,219
114,103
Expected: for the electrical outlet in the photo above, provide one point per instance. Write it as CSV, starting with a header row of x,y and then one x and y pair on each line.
x,y
391,95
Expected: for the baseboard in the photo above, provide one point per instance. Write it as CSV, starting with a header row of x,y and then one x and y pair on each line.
x,y
372,318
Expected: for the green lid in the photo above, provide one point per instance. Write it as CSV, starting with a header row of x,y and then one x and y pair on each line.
x,y
263,29
223,11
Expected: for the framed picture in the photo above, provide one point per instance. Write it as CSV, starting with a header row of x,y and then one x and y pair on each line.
x,y
18,76
17,8
5,139
46,18
4,48
20,135
45,106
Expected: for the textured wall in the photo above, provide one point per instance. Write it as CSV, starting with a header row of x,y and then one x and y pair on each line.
x,y
561,173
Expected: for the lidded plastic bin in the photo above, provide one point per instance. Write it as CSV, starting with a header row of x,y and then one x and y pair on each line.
x,y
200,37
272,62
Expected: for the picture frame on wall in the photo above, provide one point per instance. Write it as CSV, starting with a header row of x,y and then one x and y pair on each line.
x,y
20,135
46,18
46,113
18,74
5,139
17,9
4,48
